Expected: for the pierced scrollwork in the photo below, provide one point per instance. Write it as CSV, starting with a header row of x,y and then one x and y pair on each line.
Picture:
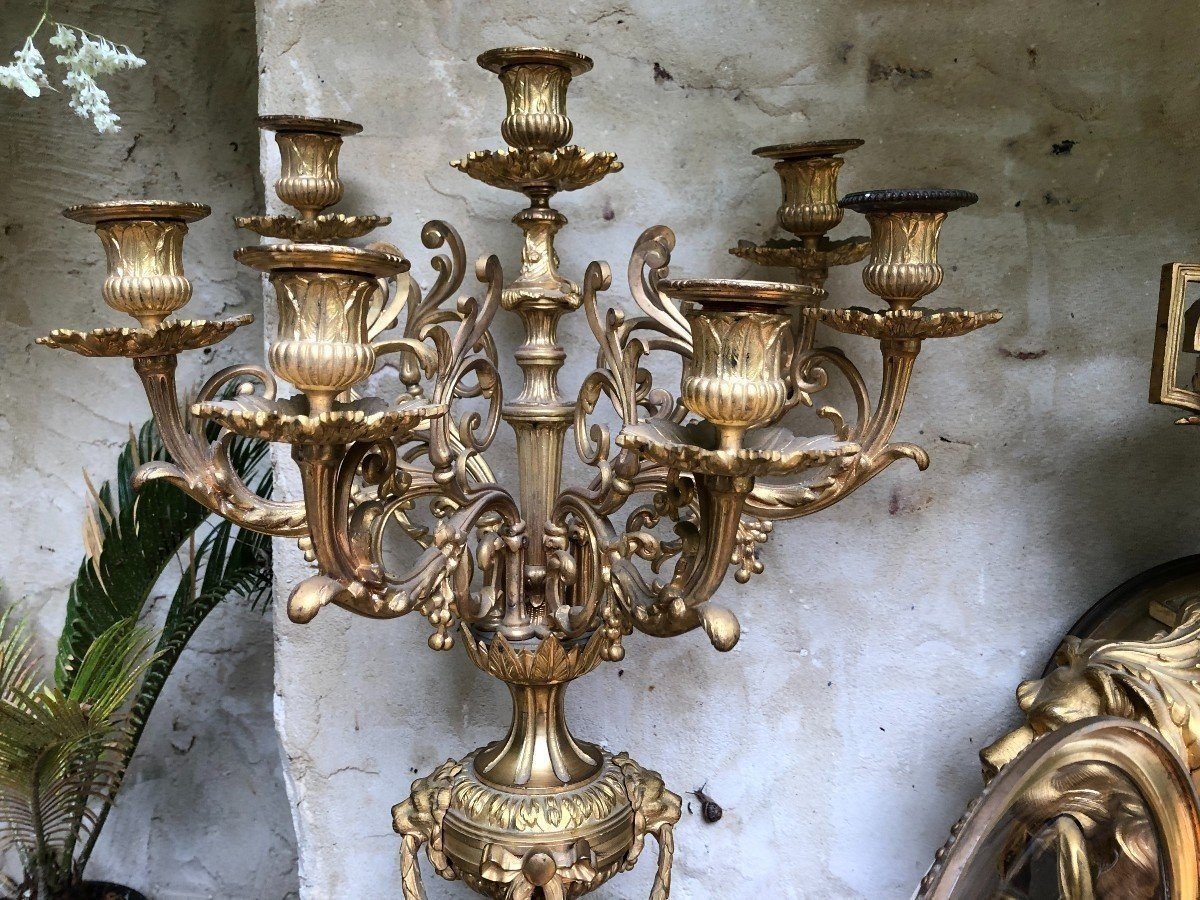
x,y
648,265
629,387
438,585
468,354
870,429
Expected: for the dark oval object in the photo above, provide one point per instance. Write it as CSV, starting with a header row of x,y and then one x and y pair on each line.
x,y
908,200
100,890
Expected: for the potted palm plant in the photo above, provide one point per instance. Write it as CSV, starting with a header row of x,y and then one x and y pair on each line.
x,y
66,740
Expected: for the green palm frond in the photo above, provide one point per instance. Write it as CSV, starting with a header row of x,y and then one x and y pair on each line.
x,y
132,538
18,664
132,541
62,751
228,562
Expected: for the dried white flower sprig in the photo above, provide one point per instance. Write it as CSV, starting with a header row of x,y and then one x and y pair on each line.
x,y
84,55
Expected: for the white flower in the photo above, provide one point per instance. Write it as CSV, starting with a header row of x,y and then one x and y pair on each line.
x,y
64,37
85,56
25,72
90,101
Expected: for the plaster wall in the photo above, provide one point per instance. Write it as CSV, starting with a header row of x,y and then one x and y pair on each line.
x,y
882,646
203,812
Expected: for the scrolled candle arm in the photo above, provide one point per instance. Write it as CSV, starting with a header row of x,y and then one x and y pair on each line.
x,y
143,243
202,469
903,269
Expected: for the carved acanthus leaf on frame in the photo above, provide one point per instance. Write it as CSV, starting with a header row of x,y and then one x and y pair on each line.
x,y
1155,682
1103,833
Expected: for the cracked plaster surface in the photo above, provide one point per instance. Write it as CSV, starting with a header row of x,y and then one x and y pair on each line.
x,y
882,646
203,811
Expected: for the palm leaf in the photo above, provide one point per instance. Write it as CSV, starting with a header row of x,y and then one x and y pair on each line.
x,y
18,667
132,540
61,752
228,562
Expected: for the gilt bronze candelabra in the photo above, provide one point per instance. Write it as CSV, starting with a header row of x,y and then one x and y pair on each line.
x,y
541,586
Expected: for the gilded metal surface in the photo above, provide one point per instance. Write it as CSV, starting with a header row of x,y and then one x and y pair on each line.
x,y
1177,333
535,83
1154,682
808,175
911,324
523,169
165,339
504,844
1106,797
541,582
143,242
293,421
1112,804
696,447
325,227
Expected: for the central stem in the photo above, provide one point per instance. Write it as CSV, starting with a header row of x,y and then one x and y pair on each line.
x,y
539,753
540,415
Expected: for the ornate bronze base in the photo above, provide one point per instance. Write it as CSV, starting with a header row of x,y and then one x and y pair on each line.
x,y
539,810
506,844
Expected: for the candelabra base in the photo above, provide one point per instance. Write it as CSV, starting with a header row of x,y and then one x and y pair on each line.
x,y
514,844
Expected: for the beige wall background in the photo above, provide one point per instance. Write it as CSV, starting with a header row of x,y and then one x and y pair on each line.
x,y
882,647
203,812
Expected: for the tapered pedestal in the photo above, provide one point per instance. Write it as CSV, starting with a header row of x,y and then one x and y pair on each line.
x,y
538,811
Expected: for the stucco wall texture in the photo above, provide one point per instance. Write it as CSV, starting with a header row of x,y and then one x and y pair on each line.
x,y
203,812
882,645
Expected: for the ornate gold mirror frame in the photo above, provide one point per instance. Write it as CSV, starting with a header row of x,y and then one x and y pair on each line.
x,y
1110,800
1178,332
1111,806
1107,798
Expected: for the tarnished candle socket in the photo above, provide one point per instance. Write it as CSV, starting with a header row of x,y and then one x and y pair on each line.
x,y
323,293
143,241
904,239
740,335
308,148
535,83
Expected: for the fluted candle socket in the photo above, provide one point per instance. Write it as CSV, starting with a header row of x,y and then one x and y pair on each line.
x,y
308,147
535,83
808,174
904,239
740,338
143,241
323,294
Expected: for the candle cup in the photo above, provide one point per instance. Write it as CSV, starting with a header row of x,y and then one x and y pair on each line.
x,y
323,293
535,83
308,148
740,338
808,174
904,239
143,241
